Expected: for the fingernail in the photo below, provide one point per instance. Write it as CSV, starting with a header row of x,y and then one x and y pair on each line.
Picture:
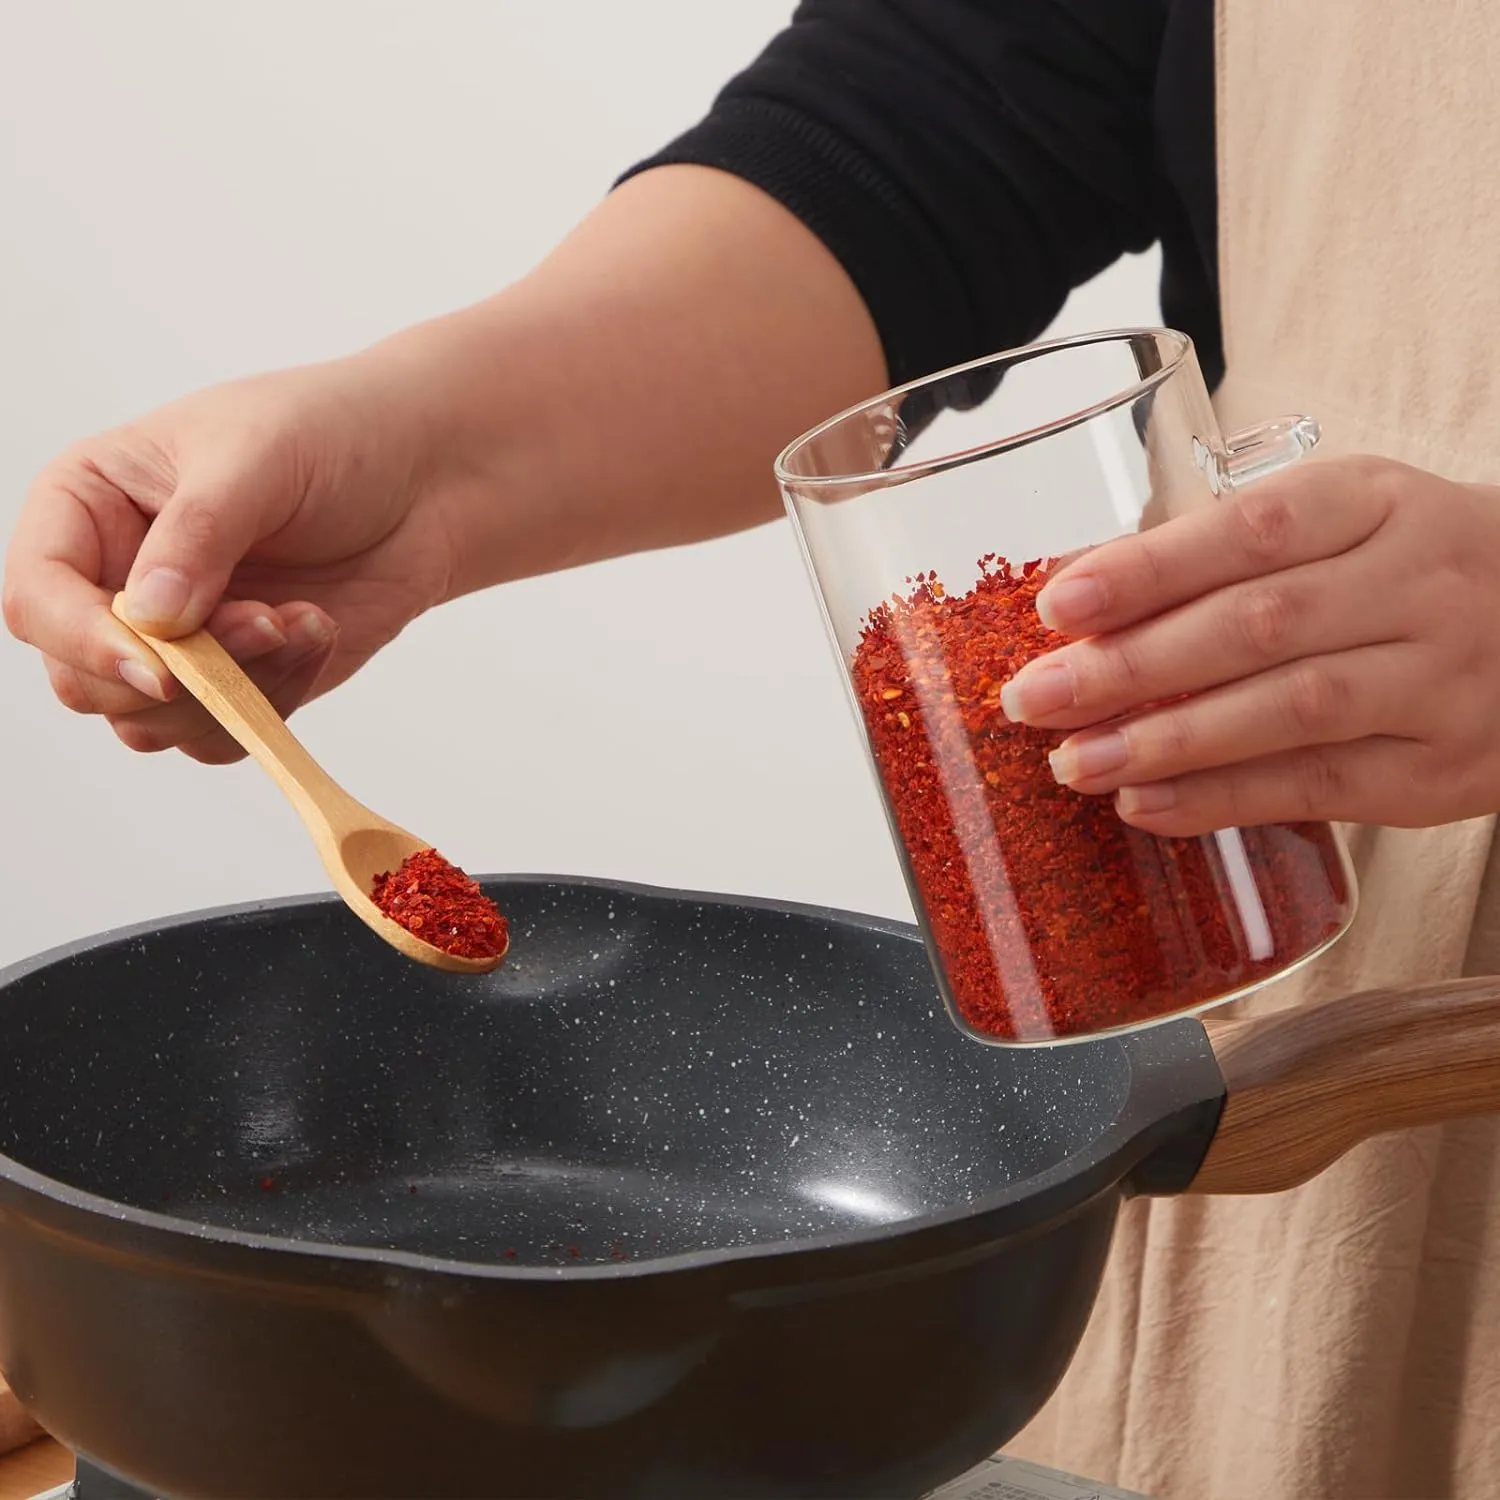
x,y
1070,603
136,675
1036,691
159,598
309,632
252,638
1080,759
1142,801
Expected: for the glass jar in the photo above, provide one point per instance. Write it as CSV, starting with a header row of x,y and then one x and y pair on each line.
x,y
929,518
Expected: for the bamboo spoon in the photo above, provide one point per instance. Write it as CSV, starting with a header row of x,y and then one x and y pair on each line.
x,y
354,843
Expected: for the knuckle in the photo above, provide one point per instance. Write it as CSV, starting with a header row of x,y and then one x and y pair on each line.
x,y
13,610
1175,739
1320,785
1120,672
1370,468
135,735
1265,521
1153,572
1264,618
70,689
213,750
1384,484
198,524
1240,810
1314,700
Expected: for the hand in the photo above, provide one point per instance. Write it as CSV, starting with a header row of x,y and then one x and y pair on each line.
x,y
629,393
1332,634
294,514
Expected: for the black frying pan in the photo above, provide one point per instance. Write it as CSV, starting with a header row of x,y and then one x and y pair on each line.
x,y
693,1198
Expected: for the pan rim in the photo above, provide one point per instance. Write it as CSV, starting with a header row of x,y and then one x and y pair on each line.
x,y
164,1231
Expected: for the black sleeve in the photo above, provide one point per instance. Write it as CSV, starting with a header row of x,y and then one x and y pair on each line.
x,y
969,162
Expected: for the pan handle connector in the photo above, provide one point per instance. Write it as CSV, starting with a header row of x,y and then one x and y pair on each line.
x,y
1307,1084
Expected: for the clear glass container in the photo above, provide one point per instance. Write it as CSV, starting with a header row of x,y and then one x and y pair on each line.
x,y
929,517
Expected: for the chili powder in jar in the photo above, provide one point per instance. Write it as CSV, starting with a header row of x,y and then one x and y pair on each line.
x,y
1050,916
438,903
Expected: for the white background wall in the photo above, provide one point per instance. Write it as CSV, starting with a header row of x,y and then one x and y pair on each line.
x,y
190,192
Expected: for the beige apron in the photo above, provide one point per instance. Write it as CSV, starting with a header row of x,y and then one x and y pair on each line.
x,y
1340,1342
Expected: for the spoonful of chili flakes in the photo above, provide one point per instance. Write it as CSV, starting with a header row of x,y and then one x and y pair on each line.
x,y
394,882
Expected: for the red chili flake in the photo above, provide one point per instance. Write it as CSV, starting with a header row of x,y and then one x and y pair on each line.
x,y
411,1187
574,1251
267,1184
510,1254
617,1252
1049,914
443,906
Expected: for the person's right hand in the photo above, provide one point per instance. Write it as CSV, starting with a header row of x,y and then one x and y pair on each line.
x,y
629,393
294,514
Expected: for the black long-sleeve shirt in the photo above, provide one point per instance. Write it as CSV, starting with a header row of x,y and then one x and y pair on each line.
x,y
970,162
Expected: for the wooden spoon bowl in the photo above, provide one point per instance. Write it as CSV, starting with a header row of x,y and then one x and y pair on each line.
x,y
354,843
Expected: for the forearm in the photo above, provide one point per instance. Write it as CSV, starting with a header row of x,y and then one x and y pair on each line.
x,y
633,391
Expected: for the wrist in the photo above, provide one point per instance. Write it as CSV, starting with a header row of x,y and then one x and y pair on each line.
x,y
477,438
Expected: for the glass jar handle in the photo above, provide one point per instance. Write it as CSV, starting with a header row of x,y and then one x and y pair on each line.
x,y
1256,452
1247,455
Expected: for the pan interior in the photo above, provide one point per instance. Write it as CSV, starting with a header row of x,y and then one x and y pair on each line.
x,y
647,1074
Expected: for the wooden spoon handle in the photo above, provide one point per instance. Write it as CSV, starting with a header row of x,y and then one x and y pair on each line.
x,y
1307,1084
219,683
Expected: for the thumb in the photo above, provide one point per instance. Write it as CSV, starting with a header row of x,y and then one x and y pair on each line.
x,y
191,548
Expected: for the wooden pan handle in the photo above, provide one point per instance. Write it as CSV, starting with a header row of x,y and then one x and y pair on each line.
x,y
16,1428
1307,1084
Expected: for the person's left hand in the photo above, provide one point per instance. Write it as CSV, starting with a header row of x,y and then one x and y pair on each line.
x,y
1325,645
